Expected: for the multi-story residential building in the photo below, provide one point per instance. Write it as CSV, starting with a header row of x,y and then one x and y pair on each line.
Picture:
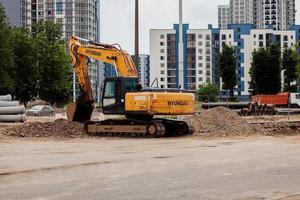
x,y
241,11
143,69
278,14
75,17
197,50
244,38
201,49
224,16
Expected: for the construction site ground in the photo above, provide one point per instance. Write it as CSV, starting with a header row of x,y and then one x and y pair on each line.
x,y
238,166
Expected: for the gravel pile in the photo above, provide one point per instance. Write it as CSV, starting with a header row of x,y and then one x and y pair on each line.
x,y
59,128
220,121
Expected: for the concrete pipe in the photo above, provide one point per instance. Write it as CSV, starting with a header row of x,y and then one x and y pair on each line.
x,y
13,118
12,110
9,103
5,97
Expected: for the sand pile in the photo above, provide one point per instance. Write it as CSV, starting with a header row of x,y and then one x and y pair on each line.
x,y
59,128
222,122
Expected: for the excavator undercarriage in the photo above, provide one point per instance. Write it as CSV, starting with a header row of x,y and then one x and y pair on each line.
x,y
138,128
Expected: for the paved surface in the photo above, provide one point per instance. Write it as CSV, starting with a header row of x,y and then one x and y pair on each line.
x,y
135,169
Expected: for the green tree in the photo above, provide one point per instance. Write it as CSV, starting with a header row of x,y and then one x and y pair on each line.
x,y
265,71
25,69
289,63
54,69
227,69
208,92
6,55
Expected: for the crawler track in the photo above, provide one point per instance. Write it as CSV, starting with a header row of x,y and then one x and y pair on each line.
x,y
138,128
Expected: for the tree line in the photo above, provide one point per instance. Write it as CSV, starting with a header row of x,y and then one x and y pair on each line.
x,y
34,64
266,70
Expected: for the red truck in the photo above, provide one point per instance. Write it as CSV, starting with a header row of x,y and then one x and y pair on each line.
x,y
281,99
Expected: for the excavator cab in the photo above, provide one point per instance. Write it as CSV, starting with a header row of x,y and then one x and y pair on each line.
x,y
113,93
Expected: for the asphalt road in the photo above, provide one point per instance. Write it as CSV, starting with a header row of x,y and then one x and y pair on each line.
x,y
137,169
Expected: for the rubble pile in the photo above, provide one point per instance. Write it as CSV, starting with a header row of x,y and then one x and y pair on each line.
x,y
59,128
221,122
287,128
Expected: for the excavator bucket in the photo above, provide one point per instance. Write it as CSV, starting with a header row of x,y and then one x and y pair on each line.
x,y
79,112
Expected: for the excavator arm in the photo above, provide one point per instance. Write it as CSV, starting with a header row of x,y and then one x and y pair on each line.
x,y
80,53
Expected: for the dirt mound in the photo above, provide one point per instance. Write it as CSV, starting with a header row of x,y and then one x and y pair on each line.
x,y
59,128
222,122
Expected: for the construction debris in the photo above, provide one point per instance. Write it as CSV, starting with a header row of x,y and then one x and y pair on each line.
x,y
220,121
59,128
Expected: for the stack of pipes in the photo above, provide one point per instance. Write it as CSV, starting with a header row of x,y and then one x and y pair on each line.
x,y
11,111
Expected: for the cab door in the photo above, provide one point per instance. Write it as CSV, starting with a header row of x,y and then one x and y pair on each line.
x,y
112,97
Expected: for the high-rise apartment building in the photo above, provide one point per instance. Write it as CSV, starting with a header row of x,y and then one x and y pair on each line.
x,y
143,69
197,50
201,50
224,16
278,14
80,18
241,11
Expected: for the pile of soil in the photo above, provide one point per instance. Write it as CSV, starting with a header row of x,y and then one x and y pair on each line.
x,y
281,128
221,122
59,128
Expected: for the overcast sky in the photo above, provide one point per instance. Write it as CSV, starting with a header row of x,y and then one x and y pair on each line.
x,y
117,18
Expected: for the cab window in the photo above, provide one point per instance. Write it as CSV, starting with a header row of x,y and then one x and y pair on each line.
x,y
109,89
130,85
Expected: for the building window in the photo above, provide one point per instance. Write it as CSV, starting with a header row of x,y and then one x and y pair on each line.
x,y
207,73
261,44
261,36
254,35
162,43
200,65
162,72
200,36
285,38
200,51
207,37
207,44
207,58
223,37
162,64
200,79
162,58
200,57
162,79
207,80
162,51
200,72
285,45
200,43
162,86
59,7
207,66
162,36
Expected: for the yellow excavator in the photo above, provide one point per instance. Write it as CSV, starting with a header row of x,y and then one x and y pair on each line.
x,y
123,95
